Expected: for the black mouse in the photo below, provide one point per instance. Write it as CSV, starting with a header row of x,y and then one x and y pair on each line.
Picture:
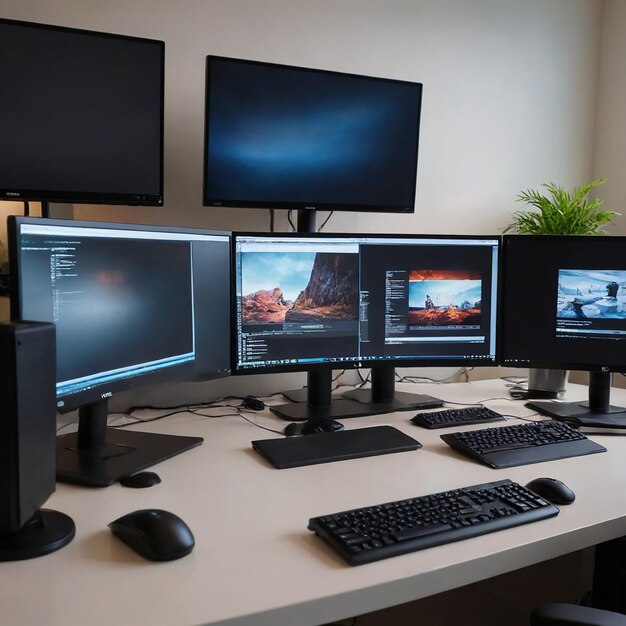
x,y
154,534
552,490
313,426
140,480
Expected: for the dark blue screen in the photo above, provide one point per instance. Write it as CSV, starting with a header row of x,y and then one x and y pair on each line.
x,y
282,135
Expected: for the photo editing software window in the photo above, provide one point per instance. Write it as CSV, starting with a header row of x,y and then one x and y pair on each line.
x,y
122,300
307,300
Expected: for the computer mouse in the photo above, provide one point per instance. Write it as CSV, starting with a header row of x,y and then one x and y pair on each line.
x,y
552,490
141,480
320,425
155,534
312,426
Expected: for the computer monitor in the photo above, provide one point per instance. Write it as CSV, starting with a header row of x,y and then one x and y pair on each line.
x,y
283,137
564,306
133,305
316,302
81,116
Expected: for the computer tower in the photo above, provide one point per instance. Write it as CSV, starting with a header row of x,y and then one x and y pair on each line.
x,y
27,442
28,423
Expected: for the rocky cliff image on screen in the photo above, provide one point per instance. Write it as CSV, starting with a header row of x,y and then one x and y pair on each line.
x,y
299,287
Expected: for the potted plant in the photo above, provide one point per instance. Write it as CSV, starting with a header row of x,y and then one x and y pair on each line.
x,y
561,212
558,212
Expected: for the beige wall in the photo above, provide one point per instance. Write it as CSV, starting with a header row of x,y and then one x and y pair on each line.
x,y
509,94
610,131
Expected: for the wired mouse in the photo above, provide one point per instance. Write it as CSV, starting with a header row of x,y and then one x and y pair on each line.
x,y
313,426
155,534
552,490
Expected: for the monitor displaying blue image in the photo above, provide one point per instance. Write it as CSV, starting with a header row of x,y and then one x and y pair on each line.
x,y
286,137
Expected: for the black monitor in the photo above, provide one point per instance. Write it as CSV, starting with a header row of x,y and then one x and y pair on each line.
x,y
564,306
133,305
285,137
316,302
81,116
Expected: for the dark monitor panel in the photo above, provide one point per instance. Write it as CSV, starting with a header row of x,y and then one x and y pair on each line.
x,y
288,137
564,306
132,305
344,301
81,116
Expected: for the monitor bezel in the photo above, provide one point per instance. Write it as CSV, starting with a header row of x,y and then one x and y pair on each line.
x,y
536,363
180,373
96,197
209,201
369,363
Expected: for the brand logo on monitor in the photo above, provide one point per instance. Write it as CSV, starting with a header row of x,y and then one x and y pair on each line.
x,y
13,194
108,394
310,207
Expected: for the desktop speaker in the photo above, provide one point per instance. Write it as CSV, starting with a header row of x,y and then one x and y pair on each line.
x,y
27,442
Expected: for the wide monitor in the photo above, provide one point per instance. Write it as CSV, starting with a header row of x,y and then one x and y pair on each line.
x,y
81,116
317,302
284,137
132,305
564,306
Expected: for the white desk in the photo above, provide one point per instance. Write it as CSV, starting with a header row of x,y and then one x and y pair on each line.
x,y
255,562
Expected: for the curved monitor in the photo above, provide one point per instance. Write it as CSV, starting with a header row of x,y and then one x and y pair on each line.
x,y
81,116
287,137
132,305
317,302
564,306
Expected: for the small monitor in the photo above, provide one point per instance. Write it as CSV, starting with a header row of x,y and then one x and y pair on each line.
x,y
564,306
81,116
132,305
318,302
287,137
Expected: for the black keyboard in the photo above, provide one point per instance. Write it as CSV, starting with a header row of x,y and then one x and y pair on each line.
x,y
377,532
508,446
456,417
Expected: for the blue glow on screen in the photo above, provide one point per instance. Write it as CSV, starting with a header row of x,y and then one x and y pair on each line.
x,y
289,135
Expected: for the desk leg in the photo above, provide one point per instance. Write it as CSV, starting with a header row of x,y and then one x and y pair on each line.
x,y
609,576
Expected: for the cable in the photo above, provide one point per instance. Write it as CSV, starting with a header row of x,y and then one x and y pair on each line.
x,y
319,230
293,226
271,220
418,379
26,208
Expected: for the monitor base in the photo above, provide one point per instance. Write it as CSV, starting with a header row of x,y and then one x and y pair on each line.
x,y
400,401
125,452
337,409
580,414
296,395
44,533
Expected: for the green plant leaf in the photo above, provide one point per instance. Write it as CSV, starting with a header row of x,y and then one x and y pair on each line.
x,y
560,212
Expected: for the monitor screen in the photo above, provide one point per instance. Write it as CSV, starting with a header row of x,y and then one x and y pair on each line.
x,y
288,137
309,301
81,116
132,305
564,302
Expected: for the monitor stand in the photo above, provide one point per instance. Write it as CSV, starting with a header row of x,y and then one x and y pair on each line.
x,y
45,532
98,456
320,404
383,394
597,412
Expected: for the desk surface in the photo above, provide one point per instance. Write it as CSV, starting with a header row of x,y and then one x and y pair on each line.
x,y
255,562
